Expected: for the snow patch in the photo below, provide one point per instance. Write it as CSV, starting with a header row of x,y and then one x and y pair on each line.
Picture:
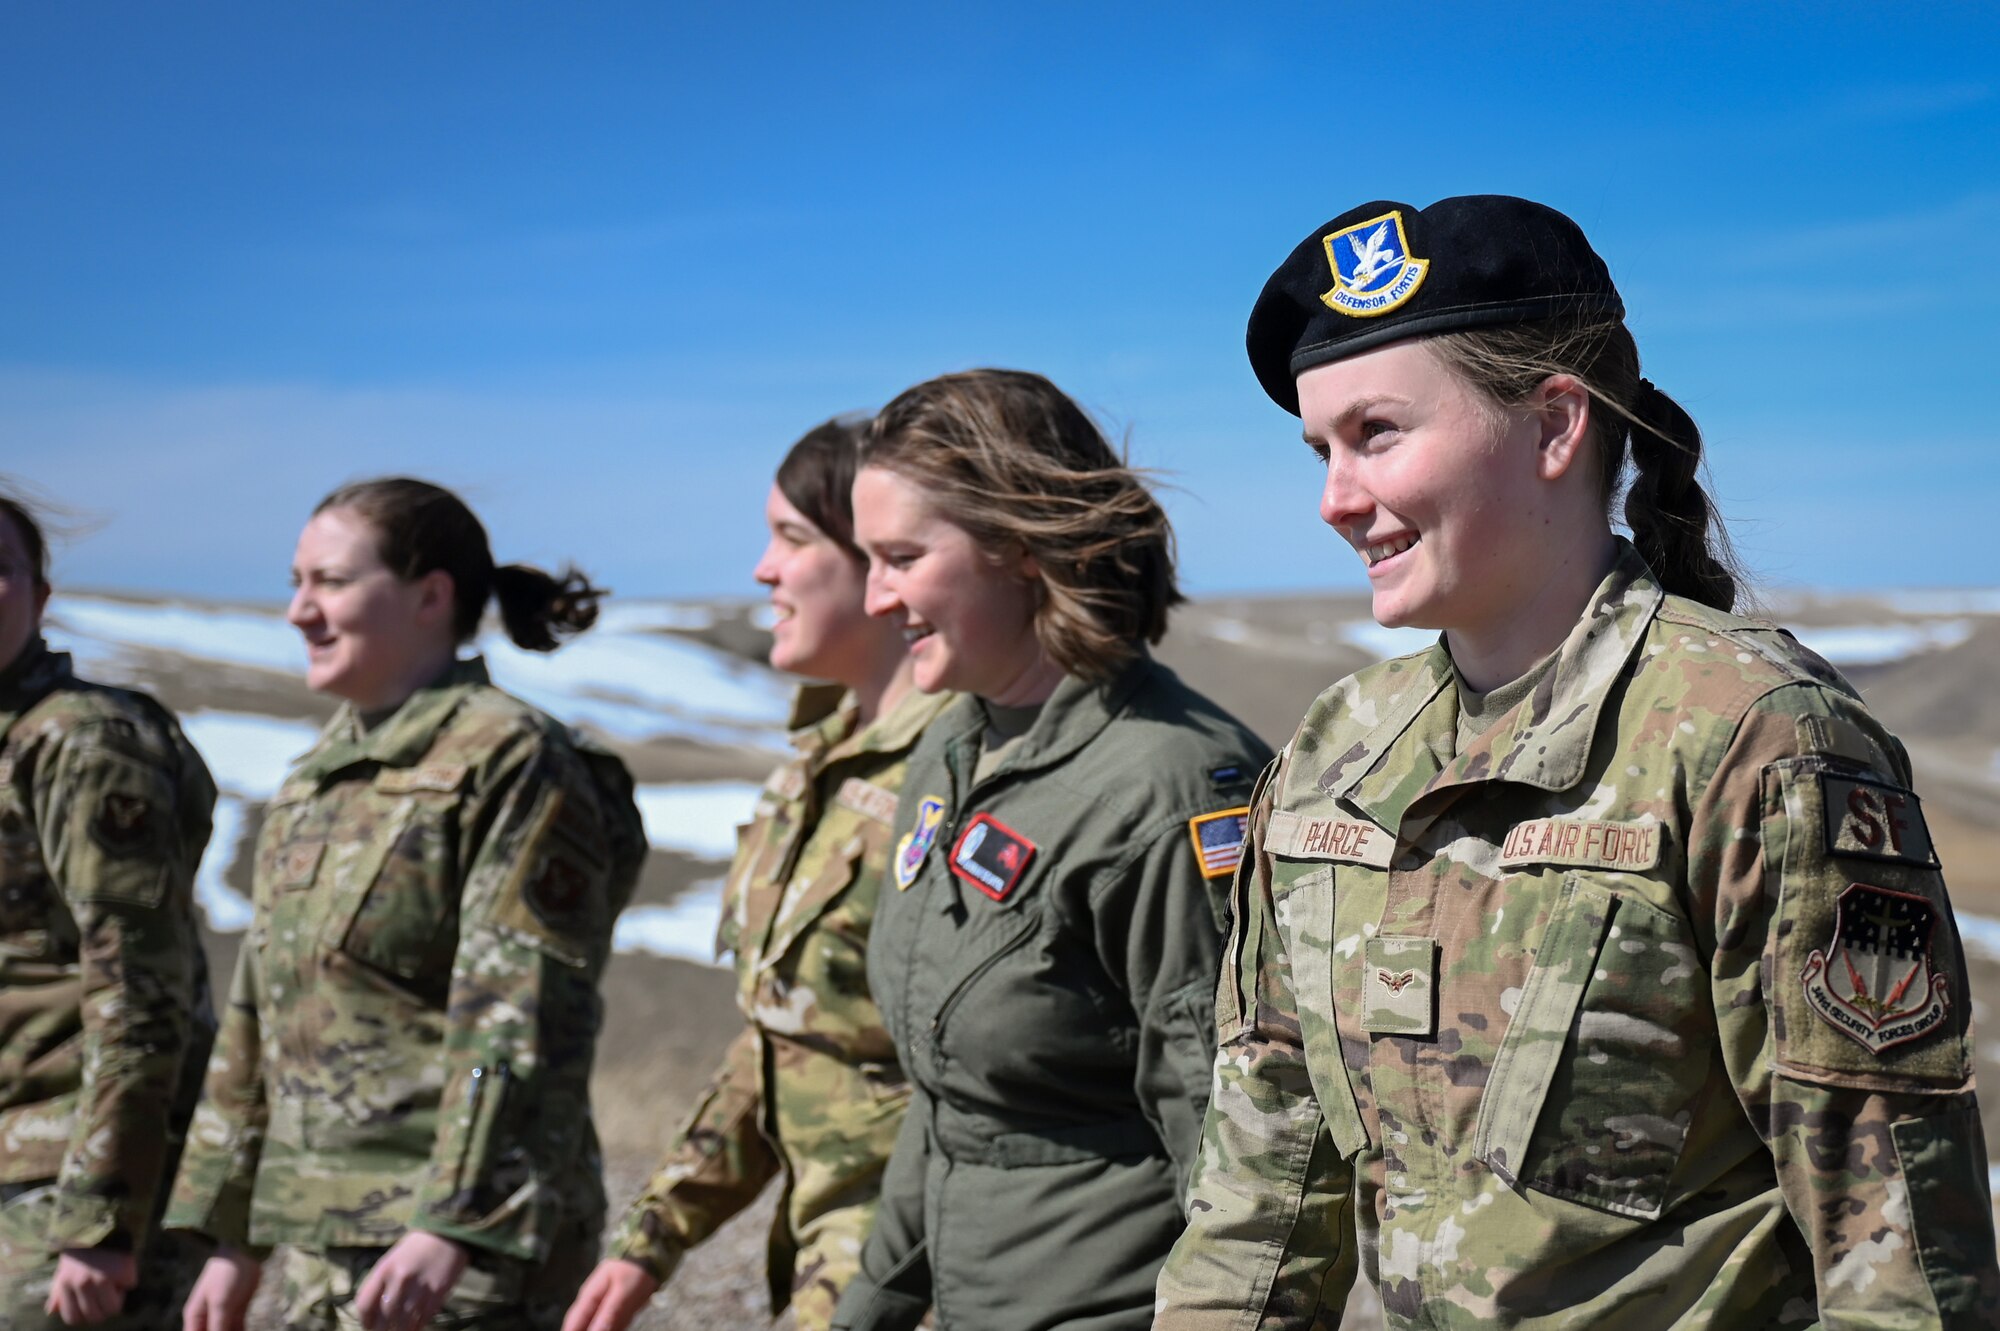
x,y
228,910
1869,644
684,928
1980,934
698,819
1383,643
233,637
247,755
1229,630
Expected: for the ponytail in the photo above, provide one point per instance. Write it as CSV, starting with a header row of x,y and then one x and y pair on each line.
x,y
541,611
421,528
1673,522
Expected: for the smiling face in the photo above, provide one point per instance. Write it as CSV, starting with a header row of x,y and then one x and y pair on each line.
x,y
1446,497
22,594
969,617
372,638
821,629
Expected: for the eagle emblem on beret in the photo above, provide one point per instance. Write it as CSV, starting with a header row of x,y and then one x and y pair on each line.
x,y
1373,270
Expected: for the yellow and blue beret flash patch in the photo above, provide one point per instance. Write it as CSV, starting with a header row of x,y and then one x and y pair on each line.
x,y
1218,840
1373,269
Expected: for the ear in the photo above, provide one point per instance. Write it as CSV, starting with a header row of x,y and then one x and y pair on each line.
x,y
436,592
1027,566
1562,414
42,591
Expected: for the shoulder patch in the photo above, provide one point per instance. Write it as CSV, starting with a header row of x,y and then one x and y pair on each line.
x,y
1835,735
867,799
124,824
1342,840
1875,980
991,856
1218,840
917,842
1874,820
1583,843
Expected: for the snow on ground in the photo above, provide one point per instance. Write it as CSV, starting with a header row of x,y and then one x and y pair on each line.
x,y
233,637
1384,643
622,616
1873,644
247,755
698,819
685,928
1979,933
1229,630
227,909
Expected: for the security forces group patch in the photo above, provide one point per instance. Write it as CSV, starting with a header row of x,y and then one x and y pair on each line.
x,y
991,856
1373,271
1218,840
123,825
917,842
1874,982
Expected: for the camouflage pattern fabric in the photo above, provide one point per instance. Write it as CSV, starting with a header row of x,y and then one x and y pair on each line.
x,y
811,1091
168,1266
409,1034
1045,955
1528,1031
105,1017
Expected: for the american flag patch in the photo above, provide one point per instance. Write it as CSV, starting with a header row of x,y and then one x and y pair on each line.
x,y
1218,840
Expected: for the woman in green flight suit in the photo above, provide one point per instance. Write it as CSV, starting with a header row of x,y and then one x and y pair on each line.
x,y
1046,949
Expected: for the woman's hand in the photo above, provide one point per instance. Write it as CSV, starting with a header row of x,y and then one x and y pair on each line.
x,y
90,1285
411,1282
611,1298
222,1293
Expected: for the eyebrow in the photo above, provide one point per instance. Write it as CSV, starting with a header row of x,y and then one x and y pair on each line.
x,y
1357,407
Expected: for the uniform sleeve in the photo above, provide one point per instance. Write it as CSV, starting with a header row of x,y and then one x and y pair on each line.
x,y
1844,1012
892,1291
1270,1235
720,1164
218,1170
542,887
113,820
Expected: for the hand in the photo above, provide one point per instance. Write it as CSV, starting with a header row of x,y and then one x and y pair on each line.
x,y
410,1283
612,1297
222,1293
90,1285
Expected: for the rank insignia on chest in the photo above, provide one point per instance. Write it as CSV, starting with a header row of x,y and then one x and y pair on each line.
x,y
1373,271
1399,986
991,856
1874,982
1218,840
917,842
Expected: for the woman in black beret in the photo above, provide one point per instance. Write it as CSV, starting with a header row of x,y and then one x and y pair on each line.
x,y
1592,966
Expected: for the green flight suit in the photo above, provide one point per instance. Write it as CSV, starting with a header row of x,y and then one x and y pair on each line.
x,y
811,1090
409,1035
104,1006
1045,955
1641,1008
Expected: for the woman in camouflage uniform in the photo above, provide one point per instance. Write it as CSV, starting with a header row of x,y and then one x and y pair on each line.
x,y
1594,966
1046,956
104,1008
811,1091
399,1087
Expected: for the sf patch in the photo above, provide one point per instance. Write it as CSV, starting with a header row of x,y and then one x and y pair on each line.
x,y
123,824
1373,271
991,856
1875,982
1218,840
1874,820
917,842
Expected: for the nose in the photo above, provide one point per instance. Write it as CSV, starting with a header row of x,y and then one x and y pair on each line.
x,y
302,610
1343,502
766,571
879,598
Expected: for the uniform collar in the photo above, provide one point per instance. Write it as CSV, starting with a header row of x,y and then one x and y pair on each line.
x,y
408,733
1073,716
28,680
826,722
1544,741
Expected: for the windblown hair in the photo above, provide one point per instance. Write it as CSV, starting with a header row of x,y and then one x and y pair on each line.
x,y
420,527
1673,520
29,524
817,478
1012,460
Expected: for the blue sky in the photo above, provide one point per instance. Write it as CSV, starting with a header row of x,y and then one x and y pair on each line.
x,y
598,265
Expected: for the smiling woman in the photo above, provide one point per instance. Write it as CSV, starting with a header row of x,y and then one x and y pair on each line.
x,y
1593,966
435,887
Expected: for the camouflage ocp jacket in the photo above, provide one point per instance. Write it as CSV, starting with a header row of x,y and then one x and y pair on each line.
x,y
409,1034
811,1090
1646,1008
104,1005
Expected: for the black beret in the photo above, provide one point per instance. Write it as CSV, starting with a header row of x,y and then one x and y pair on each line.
x,y
1387,271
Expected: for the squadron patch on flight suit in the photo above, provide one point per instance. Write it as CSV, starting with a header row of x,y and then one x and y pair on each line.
x,y
991,856
1218,840
917,842
1874,982
1874,820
